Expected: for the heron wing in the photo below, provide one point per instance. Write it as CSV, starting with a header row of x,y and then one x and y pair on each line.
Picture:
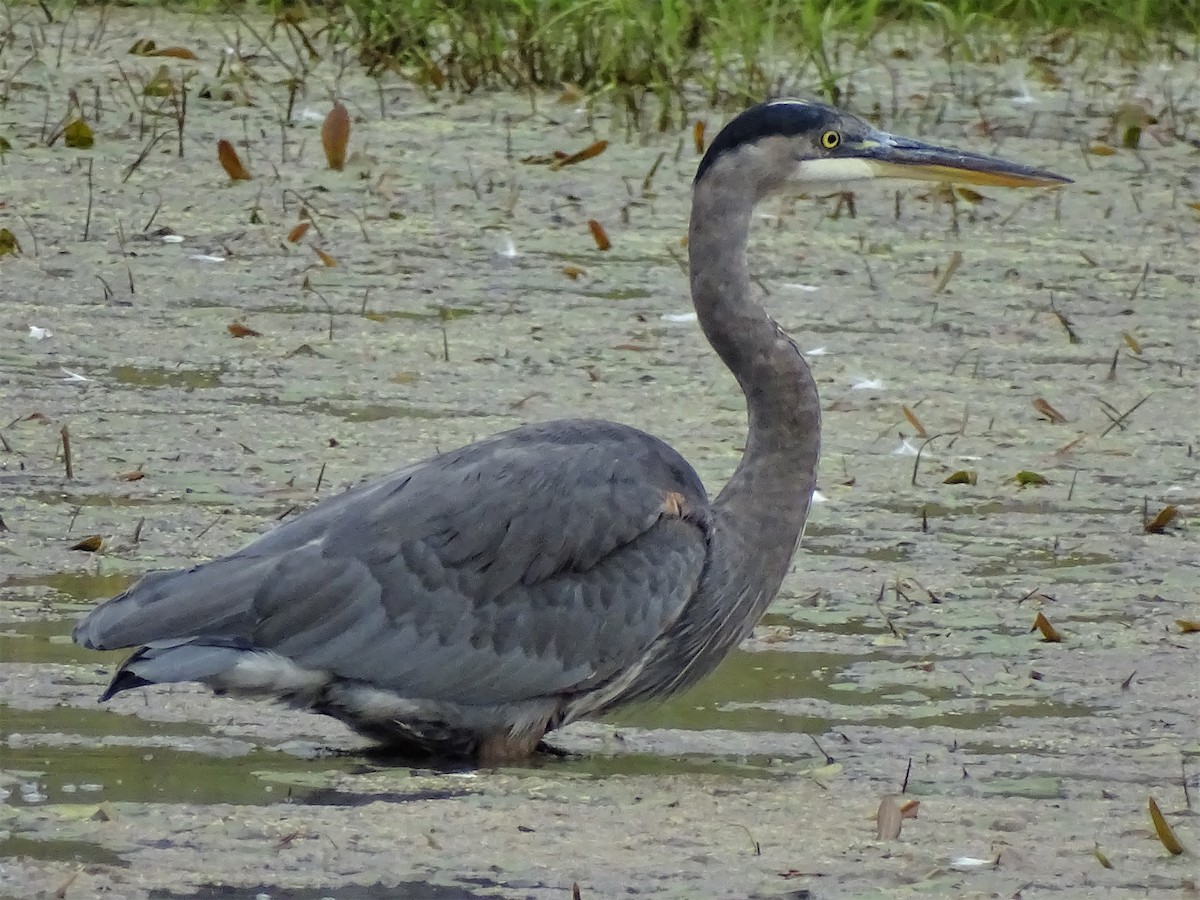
x,y
539,561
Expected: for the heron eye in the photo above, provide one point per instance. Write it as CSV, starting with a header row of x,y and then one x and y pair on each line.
x,y
830,140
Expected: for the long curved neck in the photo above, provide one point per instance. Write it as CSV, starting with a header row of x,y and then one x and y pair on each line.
x,y
768,497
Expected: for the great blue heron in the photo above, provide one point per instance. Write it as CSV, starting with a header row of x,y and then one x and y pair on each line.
x,y
467,605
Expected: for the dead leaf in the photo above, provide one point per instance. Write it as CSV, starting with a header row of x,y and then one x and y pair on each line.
x,y
160,85
698,136
173,53
910,809
1049,633
1102,858
969,195
962,476
231,162
1188,626
574,272
592,150
9,245
326,260
1101,150
1025,479
79,135
888,820
335,136
1049,412
1132,342
89,544
135,475
1159,524
599,235
298,232
914,421
1163,829
238,330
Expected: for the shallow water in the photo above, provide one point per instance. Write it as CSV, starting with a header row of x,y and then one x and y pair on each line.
x,y
898,655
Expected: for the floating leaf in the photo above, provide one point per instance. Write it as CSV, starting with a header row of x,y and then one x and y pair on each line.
x,y
9,245
1048,411
592,150
574,272
1101,858
298,232
969,195
1159,524
326,260
135,475
1164,831
599,235
89,544
962,476
698,135
910,809
173,53
79,135
335,136
1024,479
231,162
160,85
1049,633
1101,150
1131,342
1188,626
914,421
888,820
238,330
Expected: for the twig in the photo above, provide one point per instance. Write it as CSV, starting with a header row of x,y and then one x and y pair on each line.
x,y
66,445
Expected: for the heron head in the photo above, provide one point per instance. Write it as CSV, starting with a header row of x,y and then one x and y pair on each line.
x,y
794,143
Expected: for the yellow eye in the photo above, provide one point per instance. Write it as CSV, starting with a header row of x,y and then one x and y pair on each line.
x,y
830,140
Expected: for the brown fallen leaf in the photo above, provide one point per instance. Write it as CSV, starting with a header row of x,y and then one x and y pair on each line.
x,y
599,235
888,820
1101,150
1163,829
574,272
298,232
1160,523
326,260
592,150
135,475
913,420
698,136
910,809
173,53
89,544
238,330
1131,342
1188,626
1048,412
335,136
231,162
1049,633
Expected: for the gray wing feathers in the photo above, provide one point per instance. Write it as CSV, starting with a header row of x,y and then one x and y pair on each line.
x,y
532,563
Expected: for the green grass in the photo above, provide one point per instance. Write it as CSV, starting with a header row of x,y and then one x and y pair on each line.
x,y
730,50
657,59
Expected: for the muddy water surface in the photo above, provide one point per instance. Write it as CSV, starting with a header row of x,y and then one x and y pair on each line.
x,y
899,654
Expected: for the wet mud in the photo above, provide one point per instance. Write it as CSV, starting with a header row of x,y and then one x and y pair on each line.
x,y
468,297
